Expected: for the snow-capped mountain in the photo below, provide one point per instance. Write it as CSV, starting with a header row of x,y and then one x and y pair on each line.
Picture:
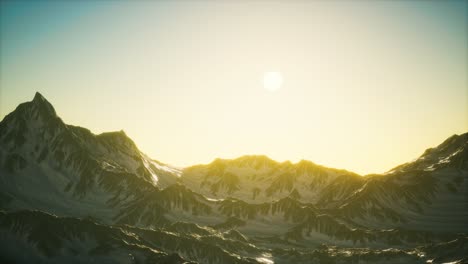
x,y
70,195
258,179
48,165
429,193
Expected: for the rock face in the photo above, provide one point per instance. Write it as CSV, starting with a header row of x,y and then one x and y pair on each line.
x,y
69,195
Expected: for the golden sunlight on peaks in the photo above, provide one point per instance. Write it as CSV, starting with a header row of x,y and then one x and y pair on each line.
x,y
272,81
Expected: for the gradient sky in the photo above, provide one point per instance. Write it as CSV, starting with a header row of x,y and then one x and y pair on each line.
x,y
367,85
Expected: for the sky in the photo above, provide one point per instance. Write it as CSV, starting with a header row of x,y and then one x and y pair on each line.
x,y
367,85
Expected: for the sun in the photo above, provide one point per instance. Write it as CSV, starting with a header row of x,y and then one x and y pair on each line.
x,y
272,81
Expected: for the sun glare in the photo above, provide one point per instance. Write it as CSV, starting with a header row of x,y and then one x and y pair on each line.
x,y
272,81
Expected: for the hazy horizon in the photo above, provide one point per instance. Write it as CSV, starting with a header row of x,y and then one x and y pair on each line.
x,y
365,86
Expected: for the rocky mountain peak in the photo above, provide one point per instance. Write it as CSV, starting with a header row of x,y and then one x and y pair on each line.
x,y
42,106
37,116
38,97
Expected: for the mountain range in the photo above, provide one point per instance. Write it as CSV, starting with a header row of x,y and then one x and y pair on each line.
x,y
68,195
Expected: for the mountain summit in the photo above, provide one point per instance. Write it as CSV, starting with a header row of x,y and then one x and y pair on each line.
x,y
41,106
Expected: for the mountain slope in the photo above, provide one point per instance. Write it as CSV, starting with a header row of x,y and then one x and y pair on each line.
x,y
38,237
48,165
31,236
259,179
114,203
430,193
